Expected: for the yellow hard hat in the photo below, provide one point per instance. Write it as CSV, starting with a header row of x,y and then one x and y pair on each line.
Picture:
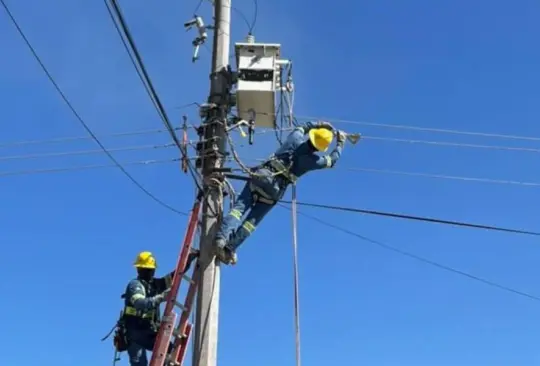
x,y
321,138
145,260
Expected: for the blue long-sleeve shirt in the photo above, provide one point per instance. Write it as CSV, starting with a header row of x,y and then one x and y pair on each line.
x,y
141,311
304,158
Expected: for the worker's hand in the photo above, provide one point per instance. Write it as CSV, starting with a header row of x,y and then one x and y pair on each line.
x,y
158,299
324,124
341,137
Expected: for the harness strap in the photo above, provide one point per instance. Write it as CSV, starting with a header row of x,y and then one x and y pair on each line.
x,y
129,310
281,169
260,195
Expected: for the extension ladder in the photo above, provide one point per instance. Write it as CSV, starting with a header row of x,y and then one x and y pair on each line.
x,y
167,330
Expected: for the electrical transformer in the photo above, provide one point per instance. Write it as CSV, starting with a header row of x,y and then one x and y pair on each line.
x,y
258,67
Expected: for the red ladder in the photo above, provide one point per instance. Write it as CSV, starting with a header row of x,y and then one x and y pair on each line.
x,y
182,331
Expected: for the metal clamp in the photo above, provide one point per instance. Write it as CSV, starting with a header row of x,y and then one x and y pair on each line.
x,y
198,22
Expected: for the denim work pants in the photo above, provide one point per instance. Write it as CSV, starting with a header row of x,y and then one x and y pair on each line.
x,y
139,343
233,229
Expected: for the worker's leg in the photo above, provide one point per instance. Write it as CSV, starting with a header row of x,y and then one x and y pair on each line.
x,y
253,218
243,202
137,354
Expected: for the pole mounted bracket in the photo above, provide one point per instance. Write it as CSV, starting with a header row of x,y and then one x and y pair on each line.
x,y
198,22
239,123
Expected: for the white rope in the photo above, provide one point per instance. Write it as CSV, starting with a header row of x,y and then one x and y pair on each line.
x,y
295,269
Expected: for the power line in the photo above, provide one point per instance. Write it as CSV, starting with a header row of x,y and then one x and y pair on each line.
x,y
418,218
442,176
419,258
431,142
454,144
78,138
428,175
425,129
82,152
255,14
146,80
84,167
76,114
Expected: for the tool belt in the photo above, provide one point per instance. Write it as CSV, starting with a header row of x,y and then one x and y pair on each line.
x,y
120,339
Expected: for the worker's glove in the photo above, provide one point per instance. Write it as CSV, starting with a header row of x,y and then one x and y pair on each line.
x,y
341,137
158,299
324,124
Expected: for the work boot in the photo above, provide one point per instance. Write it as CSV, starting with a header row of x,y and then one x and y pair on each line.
x,y
226,255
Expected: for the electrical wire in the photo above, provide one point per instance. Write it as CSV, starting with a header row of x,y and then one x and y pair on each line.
x,y
417,218
255,14
419,258
147,82
84,167
76,114
295,275
425,129
442,176
82,152
78,138
426,175
430,142
454,144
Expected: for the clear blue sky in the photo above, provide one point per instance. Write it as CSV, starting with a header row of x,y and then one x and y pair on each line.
x,y
69,239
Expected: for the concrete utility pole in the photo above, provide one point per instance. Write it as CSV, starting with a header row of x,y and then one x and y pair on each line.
x,y
207,311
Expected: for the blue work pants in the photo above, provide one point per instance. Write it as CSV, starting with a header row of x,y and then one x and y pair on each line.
x,y
233,229
139,343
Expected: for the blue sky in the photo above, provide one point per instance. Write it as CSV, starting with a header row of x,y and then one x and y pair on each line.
x,y
69,239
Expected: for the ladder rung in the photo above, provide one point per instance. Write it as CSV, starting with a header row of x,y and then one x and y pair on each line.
x,y
177,334
189,279
170,362
180,305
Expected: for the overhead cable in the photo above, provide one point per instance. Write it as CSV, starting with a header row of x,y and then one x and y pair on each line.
x,y
79,138
442,176
417,218
82,152
429,175
123,31
76,114
425,129
419,258
431,142
84,167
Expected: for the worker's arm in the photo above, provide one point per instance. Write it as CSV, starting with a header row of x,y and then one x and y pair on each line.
x,y
306,127
296,137
136,296
328,161
164,282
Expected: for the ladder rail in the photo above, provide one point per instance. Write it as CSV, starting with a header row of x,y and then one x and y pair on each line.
x,y
183,325
165,333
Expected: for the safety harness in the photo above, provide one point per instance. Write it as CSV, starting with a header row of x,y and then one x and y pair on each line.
x,y
134,317
278,169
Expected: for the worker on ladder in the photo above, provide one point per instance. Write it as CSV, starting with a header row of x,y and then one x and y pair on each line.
x,y
141,316
269,181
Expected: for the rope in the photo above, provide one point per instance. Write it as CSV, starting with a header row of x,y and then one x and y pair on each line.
x,y
295,269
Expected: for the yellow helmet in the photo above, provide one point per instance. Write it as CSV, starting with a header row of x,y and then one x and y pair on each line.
x,y
321,138
145,260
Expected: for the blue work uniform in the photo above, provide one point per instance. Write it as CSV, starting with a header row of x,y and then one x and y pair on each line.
x,y
269,182
142,316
